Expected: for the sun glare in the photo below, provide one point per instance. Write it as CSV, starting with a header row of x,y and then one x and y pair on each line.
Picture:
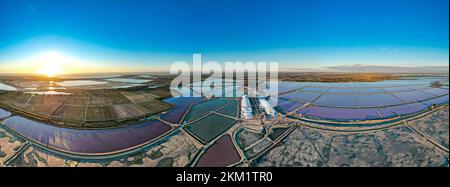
x,y
51,64
55,64
51,69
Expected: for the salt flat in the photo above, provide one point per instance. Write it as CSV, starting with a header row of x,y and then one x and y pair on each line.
x,y
79,83
7,87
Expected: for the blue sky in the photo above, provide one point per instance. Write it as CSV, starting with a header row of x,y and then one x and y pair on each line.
x,y
300,34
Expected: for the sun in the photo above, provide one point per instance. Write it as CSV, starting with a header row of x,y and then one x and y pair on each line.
x,y
50,69
51,64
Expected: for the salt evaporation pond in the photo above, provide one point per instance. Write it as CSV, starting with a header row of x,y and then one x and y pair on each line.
x,y
221,154
4,114
79,83
7,87
359,100
125,80
48,93
88,142
184,101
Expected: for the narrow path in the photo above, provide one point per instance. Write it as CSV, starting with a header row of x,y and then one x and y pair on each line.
x,y
22,149
428,138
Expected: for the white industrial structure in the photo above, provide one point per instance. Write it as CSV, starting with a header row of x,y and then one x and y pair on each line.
x,y
265,106
246,108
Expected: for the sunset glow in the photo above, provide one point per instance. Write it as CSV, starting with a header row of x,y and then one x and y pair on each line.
x,y
51,69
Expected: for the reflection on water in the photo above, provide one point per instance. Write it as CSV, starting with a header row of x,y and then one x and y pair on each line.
x,y
49,93
361,100
388,83
127,86
4,114
87,141
7,87
112,140
79,83
125,80
222,153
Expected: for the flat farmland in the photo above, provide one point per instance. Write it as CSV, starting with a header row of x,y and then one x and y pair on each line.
x,y
129,110
77,100
118,98
99,100
71,114
100,113
19,102
43,105
103,108
161,93
154,106
42,109
140,96
22,98
48,99
8,96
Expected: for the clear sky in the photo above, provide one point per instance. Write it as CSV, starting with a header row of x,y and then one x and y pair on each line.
x,y
107,35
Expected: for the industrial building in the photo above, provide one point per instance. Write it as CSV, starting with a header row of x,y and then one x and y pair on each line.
x,y
246,108
265,106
